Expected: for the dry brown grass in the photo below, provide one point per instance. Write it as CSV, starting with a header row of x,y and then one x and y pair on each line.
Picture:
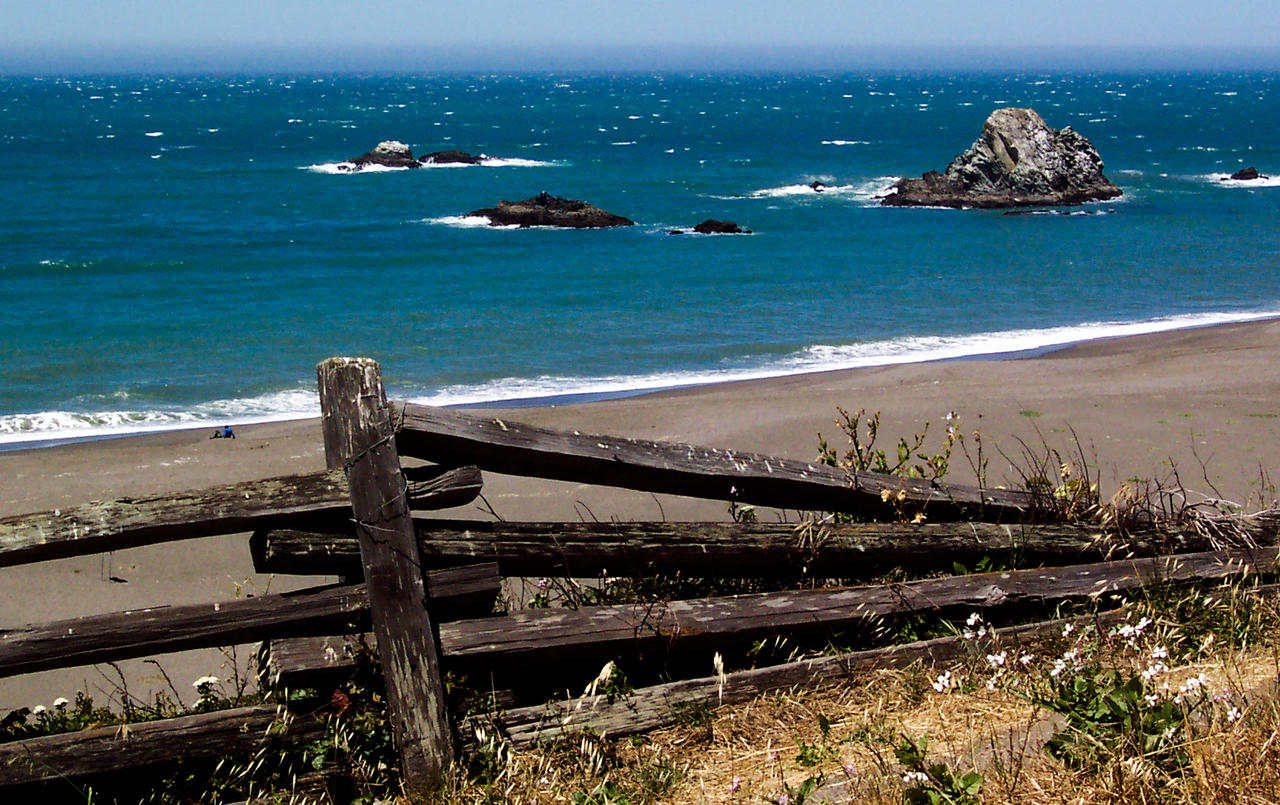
x,y
752,753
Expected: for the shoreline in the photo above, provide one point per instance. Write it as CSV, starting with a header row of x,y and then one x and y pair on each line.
x,y
1204,400
1108,331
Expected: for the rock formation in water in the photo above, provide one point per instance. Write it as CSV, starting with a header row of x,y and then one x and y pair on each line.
x,y
1247,175
1017,162
545,209
713,227
451,158
388,154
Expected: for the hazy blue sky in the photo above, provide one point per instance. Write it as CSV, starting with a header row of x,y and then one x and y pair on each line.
x,y
345,34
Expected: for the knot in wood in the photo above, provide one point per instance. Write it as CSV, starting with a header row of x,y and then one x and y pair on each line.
x,y
992,596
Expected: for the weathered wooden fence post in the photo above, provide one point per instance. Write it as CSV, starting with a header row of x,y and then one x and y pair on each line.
x,y
359,436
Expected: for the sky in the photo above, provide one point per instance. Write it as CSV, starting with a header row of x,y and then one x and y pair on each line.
x,y
38,35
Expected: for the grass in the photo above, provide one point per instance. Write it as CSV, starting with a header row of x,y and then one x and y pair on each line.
x,y
979,737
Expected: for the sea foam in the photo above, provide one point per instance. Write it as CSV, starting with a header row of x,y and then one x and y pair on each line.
x,y
821,358
348,168
1225,180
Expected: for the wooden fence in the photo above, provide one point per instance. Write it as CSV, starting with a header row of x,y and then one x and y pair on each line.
x,y
420,592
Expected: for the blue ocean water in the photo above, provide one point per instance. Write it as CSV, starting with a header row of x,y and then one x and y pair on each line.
x,y
181,250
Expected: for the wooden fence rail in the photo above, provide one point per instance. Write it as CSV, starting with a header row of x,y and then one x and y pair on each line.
x,y
457,592
529,637
453,438
723,550
649,708
104,749
130,522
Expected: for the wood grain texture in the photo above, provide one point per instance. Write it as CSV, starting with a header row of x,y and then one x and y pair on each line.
x,y
649,708
497,445
93,751
455,592
556,635
359,437
114,525
716,550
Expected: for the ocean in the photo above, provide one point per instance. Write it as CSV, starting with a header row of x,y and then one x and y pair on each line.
x,y
178,251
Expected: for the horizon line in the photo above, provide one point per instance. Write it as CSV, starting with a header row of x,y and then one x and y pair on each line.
x,y
265,59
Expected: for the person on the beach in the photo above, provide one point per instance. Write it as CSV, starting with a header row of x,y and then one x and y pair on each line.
x,y
228,433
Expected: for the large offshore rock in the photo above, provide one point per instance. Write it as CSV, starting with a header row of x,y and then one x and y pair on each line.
x,y
388,154
1017,162
545,209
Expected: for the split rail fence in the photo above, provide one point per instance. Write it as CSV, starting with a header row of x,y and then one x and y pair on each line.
x,y
419,592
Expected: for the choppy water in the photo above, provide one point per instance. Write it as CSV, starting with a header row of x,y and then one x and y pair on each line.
x,y
181,250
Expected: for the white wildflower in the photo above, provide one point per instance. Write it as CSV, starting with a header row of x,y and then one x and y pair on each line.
x,y
943,683
1234,715
915,778
1153,670
1159,653
1026,659
203,681
1068,629
973,620
1151,700
38,709
60,702
997,660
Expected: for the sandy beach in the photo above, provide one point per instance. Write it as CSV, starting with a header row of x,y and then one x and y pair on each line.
x,y
1205,400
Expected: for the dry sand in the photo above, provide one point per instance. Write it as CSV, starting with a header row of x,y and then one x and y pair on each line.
x,y
1207,400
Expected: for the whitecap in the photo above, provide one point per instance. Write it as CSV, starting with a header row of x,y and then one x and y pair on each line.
x,y
349,168
867,191
155,134
628,142
462,221
846,142
516,162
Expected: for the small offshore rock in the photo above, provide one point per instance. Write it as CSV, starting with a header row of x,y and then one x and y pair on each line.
x,y
1017,162
713,227
1249,174
388,154
451,158
545,209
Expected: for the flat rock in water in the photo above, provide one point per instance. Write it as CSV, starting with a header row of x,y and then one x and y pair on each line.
x,y
451,158
388,154
713,227
545,209
1247,175
1017,162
